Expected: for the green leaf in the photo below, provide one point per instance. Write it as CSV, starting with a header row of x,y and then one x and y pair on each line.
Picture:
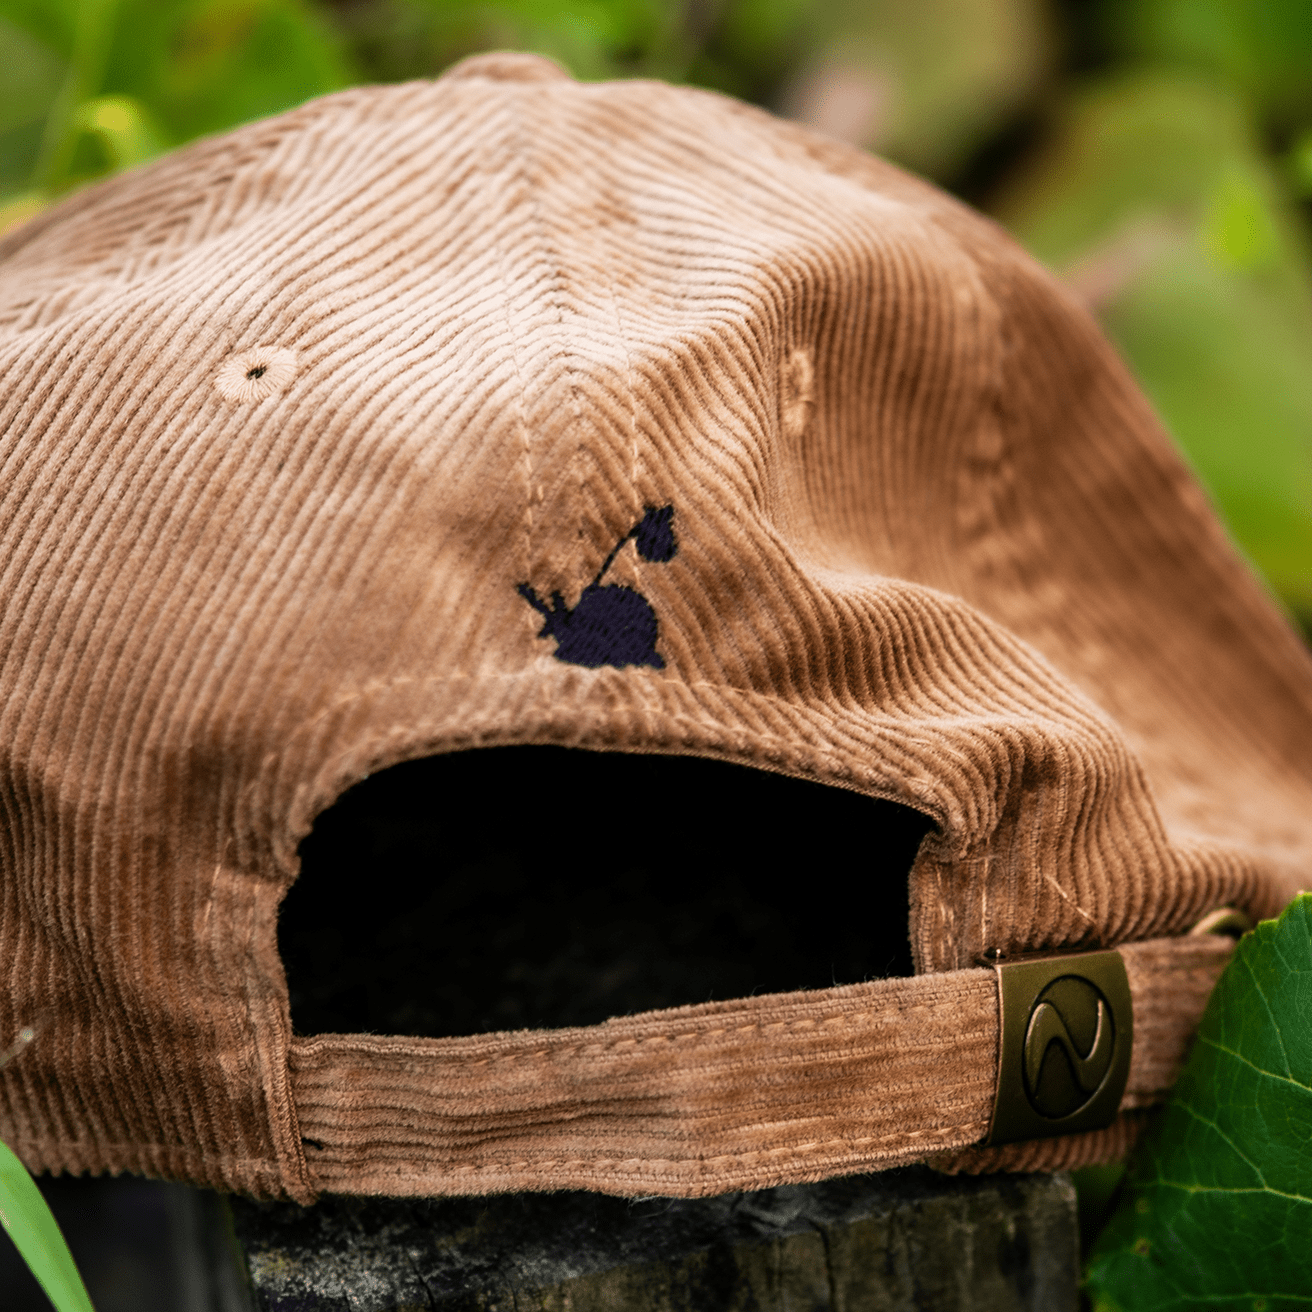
x,y
33,76
24,1214
1218,1208
117,81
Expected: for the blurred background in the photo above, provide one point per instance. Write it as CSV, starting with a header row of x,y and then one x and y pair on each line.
x,y
1157,154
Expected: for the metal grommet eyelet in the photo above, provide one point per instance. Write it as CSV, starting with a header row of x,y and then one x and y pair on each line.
x,y
1224,920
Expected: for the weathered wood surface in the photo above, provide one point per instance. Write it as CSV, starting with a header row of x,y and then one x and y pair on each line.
x,y
901,1240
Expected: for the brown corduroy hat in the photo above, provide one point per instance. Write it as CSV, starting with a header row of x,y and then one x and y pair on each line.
x,y
504,409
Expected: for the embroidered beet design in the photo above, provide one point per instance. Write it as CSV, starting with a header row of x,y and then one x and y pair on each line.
x,y
612,624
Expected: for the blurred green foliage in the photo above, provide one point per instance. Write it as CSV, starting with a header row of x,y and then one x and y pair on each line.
x,y
1156,153
1157,198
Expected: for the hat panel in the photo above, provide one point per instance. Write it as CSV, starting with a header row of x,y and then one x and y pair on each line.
x,y
1219,678
110,572
275,483
114,233
1112,563
906,400
143,1057
904,356
737,607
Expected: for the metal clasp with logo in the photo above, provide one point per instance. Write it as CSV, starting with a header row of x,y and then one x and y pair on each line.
x,y
1066,1035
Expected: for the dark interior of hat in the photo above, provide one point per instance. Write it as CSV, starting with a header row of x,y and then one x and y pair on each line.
x,y
543,886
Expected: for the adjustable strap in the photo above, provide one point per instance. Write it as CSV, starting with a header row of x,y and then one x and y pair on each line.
x,y
706,1099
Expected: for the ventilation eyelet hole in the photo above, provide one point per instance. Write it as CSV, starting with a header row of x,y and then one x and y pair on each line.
x,y
256,373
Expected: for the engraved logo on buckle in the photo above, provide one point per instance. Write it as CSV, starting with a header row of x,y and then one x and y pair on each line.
x,y
1068,1046
1066,1035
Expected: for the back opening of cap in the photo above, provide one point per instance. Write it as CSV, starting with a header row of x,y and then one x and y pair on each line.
x,y
539,887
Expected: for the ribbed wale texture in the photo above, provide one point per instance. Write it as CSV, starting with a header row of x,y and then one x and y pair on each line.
x,y
701,1100
289,416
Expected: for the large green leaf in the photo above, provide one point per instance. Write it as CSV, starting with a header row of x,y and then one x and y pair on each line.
x,y
1218,1209
24,1214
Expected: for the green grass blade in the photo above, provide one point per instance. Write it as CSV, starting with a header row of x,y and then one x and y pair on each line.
x,y
24,1214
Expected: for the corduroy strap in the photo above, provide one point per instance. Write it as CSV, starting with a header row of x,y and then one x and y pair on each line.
x,y
701,1100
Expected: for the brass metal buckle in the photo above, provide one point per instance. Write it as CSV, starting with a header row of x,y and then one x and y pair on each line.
x,y
1064,1051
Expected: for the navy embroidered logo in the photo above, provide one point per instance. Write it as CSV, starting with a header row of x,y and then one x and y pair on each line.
x,y
612,624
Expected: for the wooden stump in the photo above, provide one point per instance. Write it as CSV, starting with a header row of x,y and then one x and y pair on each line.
x,y
901,1240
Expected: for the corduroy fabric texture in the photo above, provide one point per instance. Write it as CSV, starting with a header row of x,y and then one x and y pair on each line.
x,y
293,418
701,1100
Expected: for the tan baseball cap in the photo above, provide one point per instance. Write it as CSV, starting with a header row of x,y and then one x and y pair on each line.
x,y
508,410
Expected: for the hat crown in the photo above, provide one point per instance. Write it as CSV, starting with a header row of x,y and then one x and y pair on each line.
x,y
333,442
